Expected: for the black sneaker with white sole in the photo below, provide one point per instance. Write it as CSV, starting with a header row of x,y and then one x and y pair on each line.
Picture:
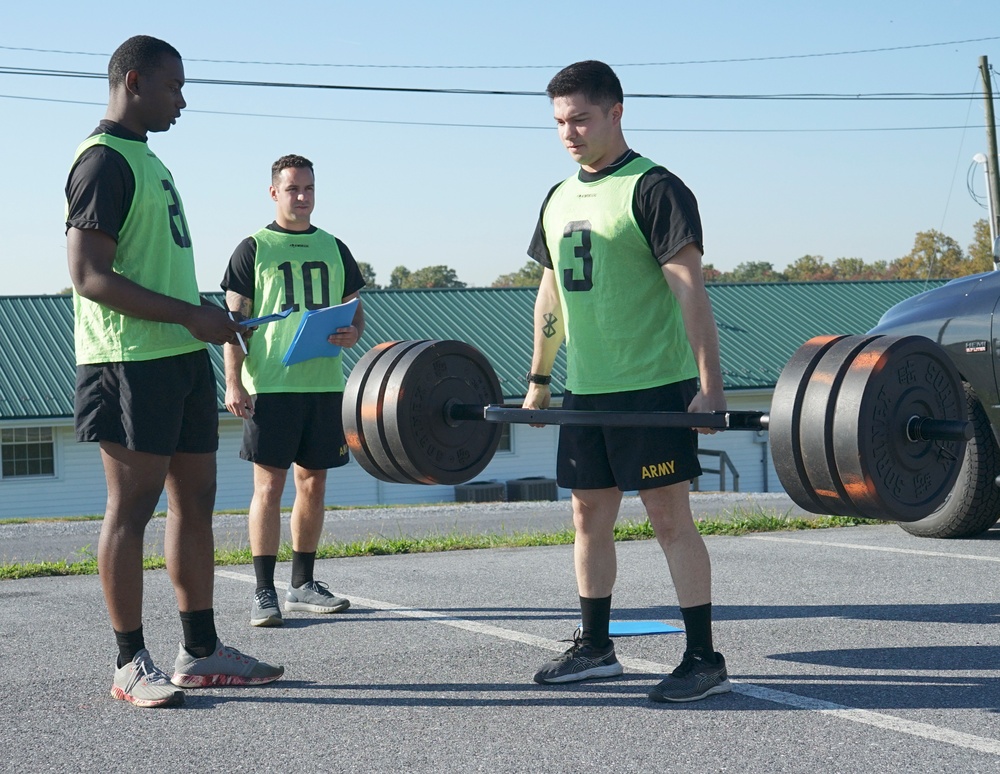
x,y
582,661
694,679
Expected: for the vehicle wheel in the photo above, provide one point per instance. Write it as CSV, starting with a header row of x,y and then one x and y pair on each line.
x,y
974,504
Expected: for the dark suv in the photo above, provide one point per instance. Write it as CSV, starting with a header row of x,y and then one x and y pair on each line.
x,y
962,318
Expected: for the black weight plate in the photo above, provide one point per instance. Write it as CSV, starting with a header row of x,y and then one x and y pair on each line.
x,y
360,429
427,445
354,407
886,475
377,398
785,417
816,434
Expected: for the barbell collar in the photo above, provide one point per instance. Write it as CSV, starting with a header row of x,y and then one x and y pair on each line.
x,y
927,429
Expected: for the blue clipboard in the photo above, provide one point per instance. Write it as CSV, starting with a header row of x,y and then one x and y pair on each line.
x,y
267,318
316,326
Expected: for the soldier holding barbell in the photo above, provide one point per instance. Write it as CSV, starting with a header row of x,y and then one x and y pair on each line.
x,y
621,242
867,426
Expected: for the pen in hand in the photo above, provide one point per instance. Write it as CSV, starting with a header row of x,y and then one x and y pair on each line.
x,y
239,336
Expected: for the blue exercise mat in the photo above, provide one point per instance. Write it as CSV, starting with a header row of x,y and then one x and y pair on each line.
x,y
630,628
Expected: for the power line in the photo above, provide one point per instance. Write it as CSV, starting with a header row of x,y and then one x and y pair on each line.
x,y
970,185
739,60
807,97
744,130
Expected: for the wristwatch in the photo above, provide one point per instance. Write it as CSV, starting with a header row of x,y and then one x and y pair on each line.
x,y
538,378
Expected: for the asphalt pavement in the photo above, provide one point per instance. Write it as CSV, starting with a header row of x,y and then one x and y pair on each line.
x,y
853,649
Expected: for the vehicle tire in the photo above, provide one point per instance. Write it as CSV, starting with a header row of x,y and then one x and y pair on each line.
x,y
974,504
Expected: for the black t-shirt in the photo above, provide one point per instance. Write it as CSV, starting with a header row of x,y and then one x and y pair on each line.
x,y
664,208
239,276
101,185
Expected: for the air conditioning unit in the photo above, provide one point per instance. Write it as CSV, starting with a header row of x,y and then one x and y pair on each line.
x,y
532,488
479,492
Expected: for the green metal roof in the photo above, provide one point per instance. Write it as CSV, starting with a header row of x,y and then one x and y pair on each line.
x,y
37,375
760,326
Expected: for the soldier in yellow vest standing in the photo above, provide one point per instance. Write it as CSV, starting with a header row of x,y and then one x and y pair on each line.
x,y
621,243
291,413
145,388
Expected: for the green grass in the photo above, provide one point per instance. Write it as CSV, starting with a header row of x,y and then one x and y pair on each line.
x,y
737,521
92,517
238,512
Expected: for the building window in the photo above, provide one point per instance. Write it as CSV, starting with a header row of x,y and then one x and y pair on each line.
x,y
26,451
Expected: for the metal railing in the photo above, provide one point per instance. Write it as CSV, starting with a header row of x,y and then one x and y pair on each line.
x,y
724,463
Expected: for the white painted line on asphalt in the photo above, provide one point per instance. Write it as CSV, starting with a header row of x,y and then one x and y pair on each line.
x,y
869,718
410,612
865,717
913,551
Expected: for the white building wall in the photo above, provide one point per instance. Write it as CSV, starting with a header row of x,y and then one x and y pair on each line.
x,y
78,488
532,454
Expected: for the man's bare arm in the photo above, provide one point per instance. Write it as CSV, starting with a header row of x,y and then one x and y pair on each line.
x,y
683,273
91,256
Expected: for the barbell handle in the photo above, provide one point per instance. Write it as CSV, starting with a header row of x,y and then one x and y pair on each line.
x,y
918,429
720,420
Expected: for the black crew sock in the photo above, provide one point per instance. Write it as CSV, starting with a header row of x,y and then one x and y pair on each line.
x,y
302,568
199,632
596,615
698,627
129,643
263,568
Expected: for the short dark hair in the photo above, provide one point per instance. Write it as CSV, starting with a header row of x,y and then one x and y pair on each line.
x,y
291,161
595,80
141,53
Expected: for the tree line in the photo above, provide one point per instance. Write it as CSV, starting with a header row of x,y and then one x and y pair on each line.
x,y
442,276
934,256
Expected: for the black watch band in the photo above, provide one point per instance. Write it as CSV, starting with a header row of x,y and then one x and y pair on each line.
x,y
538,378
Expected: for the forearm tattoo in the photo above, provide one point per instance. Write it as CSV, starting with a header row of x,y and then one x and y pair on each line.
x,y
549,329
239,303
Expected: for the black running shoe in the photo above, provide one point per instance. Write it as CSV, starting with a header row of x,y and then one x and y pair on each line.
x,y
694,679
581,662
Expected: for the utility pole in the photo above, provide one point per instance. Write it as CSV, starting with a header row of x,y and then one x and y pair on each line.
x,y
992,168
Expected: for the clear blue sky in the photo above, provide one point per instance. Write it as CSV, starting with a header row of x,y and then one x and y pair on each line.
x,y
401,193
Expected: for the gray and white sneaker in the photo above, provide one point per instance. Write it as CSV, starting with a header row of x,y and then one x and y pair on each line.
x,y
314,597
582,661
142,684
694,679
264,610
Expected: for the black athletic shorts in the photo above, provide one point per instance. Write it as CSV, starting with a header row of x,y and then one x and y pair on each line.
x,y
629,458
160,406
301,427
